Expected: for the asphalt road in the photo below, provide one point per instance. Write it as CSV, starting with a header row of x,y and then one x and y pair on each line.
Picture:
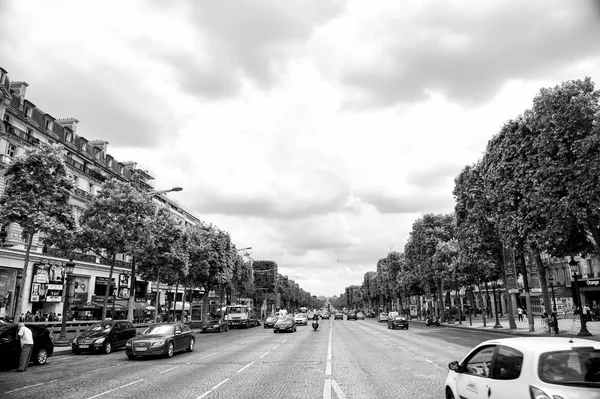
x,y
343,359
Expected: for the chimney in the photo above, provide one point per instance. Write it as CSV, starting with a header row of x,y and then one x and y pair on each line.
x,y
71,123
19,88
101,144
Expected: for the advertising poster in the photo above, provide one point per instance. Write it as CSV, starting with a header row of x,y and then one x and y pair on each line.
x,y
47,275
80,290
124,286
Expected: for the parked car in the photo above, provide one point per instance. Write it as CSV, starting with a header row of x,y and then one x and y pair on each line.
x,y
285,323
10,345
351,316
360,316
161,339
216,324
382,317
301,319
270,321
398,321
325,315
338,316
527,367
103,337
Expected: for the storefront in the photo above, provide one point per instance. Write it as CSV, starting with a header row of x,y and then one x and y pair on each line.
x,y
8,280
47,286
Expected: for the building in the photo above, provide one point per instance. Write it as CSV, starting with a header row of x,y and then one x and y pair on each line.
x,y
24,124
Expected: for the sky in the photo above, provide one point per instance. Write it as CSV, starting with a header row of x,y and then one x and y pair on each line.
x,y
316,132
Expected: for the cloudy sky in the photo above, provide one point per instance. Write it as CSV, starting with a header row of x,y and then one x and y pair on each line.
x,y
314,131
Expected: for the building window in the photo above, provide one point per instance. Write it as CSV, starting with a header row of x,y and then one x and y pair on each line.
x,y
110,161
6,118
49,125
28,112
91,190
10,150
69,137
83,147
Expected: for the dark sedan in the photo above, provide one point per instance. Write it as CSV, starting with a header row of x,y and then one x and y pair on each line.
x,y
398,321
338,316
215,324
161,339
270,321
352,316
104,337
284,324
10,345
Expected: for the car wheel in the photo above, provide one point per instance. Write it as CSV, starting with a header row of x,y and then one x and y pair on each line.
x,y
393,327
107,348
294,328
191,346
131,357
170,349
226,328
75,351
265,325
41,356
274,331
449,394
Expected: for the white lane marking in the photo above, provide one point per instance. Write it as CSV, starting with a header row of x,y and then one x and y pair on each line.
x,y
328,380
338,391
112,390
451,347
231,347
244,343
264,354
429,361
245,367
401,347
172,368
204,357
213,388
275,347
283,342
30,386
105,368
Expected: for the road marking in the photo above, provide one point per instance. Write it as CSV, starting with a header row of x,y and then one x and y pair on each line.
x,y
429,361
213,388
275,347
245,367
264,354
243,343
401,347
105,368
172,368
204,357
112,390
328,380
231,347
338,391
451,347
30,386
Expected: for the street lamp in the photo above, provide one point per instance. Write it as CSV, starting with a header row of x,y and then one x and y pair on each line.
x,y
574,265
158,192
494,286
551,281
62,339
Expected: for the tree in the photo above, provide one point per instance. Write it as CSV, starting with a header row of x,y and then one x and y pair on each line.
x,y
114,223
36,197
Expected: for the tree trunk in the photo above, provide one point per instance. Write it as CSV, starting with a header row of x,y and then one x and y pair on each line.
x,y
23,294
511,315
107,293
521,258
183,299
157,298
205,305
131,299
175,302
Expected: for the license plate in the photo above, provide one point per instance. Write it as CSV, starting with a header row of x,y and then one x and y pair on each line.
x,y
140,349
84,346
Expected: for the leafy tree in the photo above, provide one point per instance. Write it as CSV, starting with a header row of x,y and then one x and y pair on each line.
x,y
114,223
36,197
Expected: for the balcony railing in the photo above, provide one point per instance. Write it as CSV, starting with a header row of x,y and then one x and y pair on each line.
x,y
20,134
68,255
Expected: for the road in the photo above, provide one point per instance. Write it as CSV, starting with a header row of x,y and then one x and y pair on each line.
x,y
343,359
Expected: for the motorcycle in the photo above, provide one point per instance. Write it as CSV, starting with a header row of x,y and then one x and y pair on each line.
x,y
432,322
315,325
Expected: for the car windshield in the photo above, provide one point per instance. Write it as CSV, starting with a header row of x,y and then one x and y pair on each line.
x,y
572,367
236,309
158,329
383,314
283,320
100,327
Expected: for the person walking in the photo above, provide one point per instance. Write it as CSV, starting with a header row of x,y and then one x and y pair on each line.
x,y
520,314
26,338
553,324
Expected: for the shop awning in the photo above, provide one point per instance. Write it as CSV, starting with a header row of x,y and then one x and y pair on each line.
x,y
180,306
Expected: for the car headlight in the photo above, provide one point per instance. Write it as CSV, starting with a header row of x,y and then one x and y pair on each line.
x,y
128,344
157,343
99,340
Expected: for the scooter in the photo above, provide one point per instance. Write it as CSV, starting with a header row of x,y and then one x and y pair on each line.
x,y
432,322
315,325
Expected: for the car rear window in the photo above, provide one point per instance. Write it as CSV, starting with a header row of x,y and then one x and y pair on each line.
x,y
579,366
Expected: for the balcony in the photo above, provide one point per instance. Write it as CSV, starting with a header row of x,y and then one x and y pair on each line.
x,y
5,160
21,135
74,163
94,174
82,194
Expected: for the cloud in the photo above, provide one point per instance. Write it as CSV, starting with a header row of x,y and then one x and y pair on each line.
x,y
467,51
408,203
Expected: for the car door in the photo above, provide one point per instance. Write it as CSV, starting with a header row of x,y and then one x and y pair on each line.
x,y
128,332
10,348
505,381
180,337
473,382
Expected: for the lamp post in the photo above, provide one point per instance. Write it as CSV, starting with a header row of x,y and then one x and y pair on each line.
x,y
574,265
62,339
158,192
551,281
494,286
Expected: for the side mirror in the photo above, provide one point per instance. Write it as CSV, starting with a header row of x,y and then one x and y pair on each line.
x,y
455,366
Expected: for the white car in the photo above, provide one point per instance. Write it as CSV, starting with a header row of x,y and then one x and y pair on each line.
x,y
301,319
527,367
383,317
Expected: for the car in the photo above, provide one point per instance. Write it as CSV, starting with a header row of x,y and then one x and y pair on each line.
x,y
10,345
215,324
398,321
360,316
161,339
383,317
325,315
270,321
301,319
338,316
527,367
351,316
103,337
285,323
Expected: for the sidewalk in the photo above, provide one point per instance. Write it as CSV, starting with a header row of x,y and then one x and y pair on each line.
x,y
568,327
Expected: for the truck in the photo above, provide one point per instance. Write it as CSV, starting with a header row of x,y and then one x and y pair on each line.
x,y
243,316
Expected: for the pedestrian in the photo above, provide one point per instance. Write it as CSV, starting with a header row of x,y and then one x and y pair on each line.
x,y
520,314
37,316
26,338
28,317
59,317
553,323
524,313
587,312
22,318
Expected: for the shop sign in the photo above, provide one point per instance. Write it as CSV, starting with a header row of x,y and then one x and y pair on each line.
x,y
46,274
591,283
104,281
